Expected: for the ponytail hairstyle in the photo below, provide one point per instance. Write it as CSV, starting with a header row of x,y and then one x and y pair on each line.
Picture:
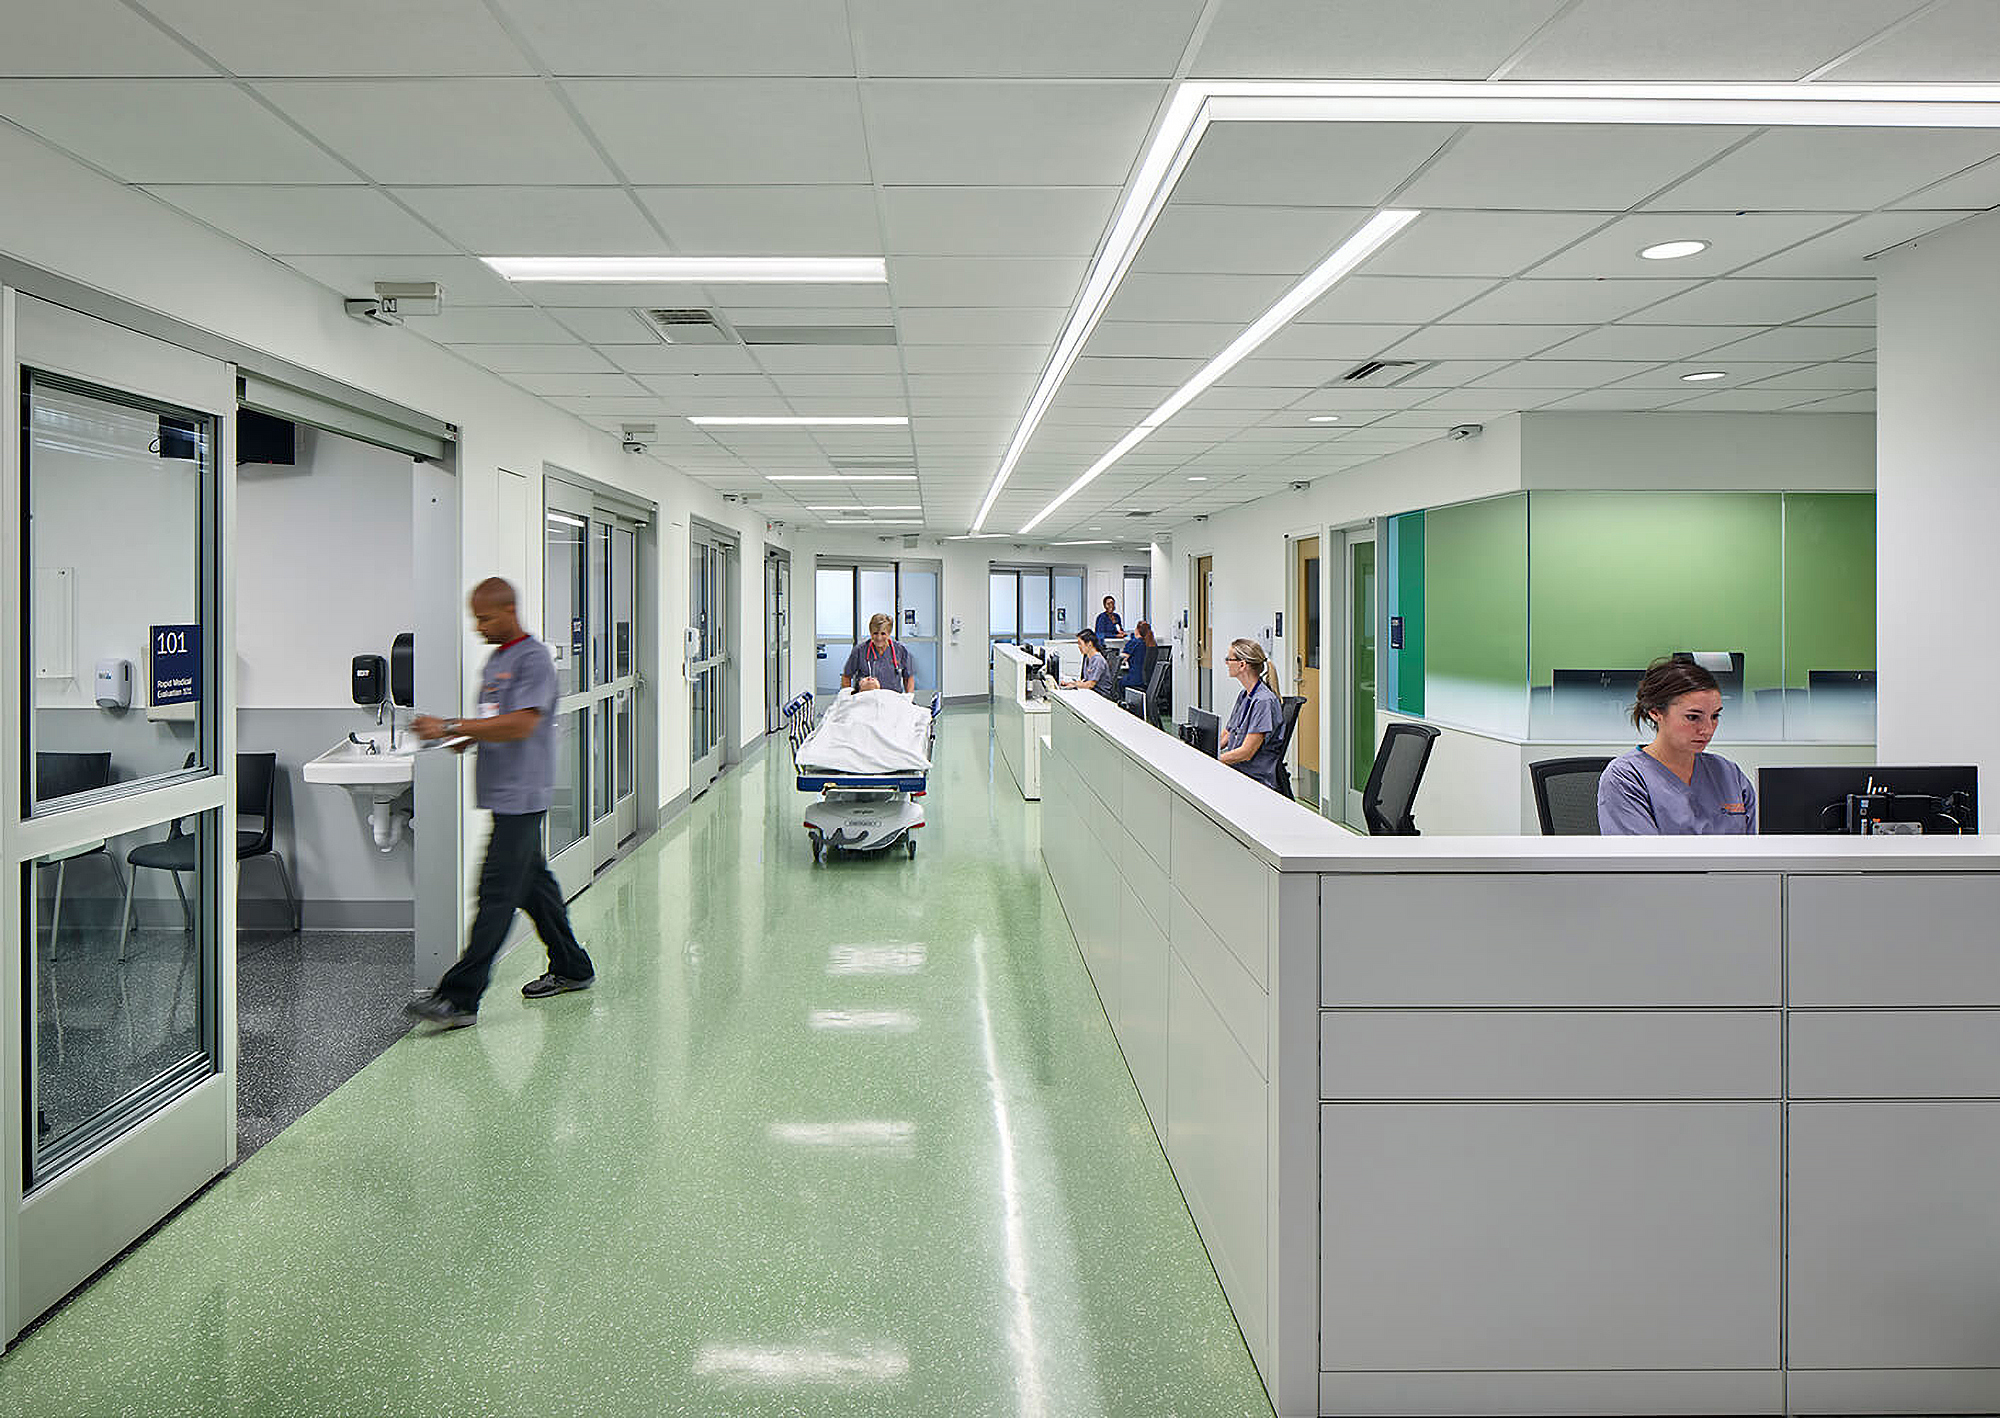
x,y
1252,654
1666,680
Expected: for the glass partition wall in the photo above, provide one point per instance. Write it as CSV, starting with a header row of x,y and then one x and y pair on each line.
x,y
848,593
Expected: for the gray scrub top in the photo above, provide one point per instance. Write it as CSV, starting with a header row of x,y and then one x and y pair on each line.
x,y
891,667
519,776
1639,796
1258,711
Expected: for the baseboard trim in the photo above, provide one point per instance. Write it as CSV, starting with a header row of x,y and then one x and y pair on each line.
x,y
959,701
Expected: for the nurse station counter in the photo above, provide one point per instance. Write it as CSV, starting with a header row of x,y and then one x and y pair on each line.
x,y
1499,1125
1020,724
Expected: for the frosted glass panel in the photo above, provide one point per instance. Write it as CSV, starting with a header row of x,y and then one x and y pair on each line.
x,y
1035,606
1069,605
833,603
1002,614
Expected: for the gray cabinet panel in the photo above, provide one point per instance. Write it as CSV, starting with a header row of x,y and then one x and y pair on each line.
x,y
1228,884
1236,998
1142,1022
1148,878
1577,941
1148,812
1927,1392
1890,940
1549,1236
1895,1053
1894,1235
1721,1393
1412,1054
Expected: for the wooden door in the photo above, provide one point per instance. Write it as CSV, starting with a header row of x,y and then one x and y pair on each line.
x,y
1204,577
1306,663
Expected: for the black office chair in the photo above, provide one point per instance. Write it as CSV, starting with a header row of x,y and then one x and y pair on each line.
x,y
1160,688
63,775
256,796
1566,795
1391,793
1290,704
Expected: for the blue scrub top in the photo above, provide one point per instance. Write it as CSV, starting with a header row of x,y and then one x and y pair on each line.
x,y
1135,664
1639,796
1109,627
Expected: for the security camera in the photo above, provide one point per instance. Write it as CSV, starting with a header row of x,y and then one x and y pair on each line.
x,y
378,312
634,447
1201,516
1300,486
637,436
1460,432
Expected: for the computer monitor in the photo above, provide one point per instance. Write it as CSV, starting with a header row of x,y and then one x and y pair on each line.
x,y
1612,686
1204,731
1725,665
1135,700
1865,798
1051,664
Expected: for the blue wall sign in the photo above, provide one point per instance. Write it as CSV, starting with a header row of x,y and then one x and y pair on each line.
x,y
176,659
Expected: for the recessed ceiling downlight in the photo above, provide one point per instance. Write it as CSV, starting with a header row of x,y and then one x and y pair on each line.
x,y
1322,418
1706,376
1674,250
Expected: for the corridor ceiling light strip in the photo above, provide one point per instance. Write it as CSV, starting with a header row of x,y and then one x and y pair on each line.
x,y
793,421
1197,104
1376,231
885,507
706,270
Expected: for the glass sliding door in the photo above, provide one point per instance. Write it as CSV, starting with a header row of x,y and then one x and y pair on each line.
x,y
710,653
848,594
777,636
119,893
1359,683
590,610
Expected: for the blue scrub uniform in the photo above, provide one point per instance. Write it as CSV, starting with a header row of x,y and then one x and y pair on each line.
x,y
1135,664
1639,796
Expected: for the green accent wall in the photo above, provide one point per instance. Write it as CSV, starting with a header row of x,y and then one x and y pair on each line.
x,y
1476,621
1829,583
1618,578
1406,551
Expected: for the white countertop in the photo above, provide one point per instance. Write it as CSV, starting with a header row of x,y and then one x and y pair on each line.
x,y
1294,838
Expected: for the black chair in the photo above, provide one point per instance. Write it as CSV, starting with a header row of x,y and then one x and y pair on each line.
x,y
1566,795
1160,688
1400,761
64,775
1290,705
256,796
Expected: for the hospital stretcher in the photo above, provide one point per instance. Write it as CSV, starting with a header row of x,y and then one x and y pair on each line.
x,y
857,812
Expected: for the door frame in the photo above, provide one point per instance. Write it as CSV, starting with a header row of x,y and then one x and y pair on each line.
x,y
1295,649
1201,621
1344,795
778,635
718,656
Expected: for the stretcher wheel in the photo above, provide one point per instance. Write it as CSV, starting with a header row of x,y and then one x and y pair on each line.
x,y
911,844
818,846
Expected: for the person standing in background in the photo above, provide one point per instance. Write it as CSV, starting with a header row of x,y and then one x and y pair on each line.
x,y
1109,627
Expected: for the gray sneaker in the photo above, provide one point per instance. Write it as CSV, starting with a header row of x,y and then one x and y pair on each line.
x,y
553,984
434,1008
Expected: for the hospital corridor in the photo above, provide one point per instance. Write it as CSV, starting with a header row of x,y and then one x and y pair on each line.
x,y
850,1138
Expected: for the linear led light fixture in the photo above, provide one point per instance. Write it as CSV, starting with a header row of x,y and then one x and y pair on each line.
x,y
885,507
792,421
1322,278
1197,104
705,270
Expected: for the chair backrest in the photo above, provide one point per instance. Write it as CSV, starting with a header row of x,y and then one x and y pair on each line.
x,y
63,775
1289,707
1566,795
1160,687
256,796
1391,793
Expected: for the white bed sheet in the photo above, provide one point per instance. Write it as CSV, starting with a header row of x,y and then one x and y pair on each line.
x,y
874,732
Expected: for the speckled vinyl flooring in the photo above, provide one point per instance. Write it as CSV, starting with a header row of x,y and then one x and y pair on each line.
x,y
840,1140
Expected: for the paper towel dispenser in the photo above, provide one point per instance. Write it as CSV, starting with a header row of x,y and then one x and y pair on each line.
x,y
403,670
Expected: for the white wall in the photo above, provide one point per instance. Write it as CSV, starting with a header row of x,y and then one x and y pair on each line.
x,y
1699,452
1937,504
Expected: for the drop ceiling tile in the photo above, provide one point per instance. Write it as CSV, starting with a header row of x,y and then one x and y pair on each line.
x,y
1561,374
167,130
966,325
1845,252
1734,240
841,386
91,38
1306,164
1976,189
1624,400
1850,374
829,359
1286,241
992,280
1449,374
351,38
1357,404
1569,302
1030,135
1706,40
731,132
783,303
1196,299
1406,300
1134,373
1829,169
444,130
1005,388
640,37
975,359
1025,39
1798,342
1562,166
1481,341
1340,346
493,324
591,384
1169,339
718,362
1859,312
466,282
996,221
1953,42
683,386
604,325
1839,404
1754,302
321,221
537,221
768,221
537,359
1478,243
1649,342
1739,373
1360,39
1753,401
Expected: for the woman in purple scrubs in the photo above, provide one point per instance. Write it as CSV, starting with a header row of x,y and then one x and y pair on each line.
x,y
1671,787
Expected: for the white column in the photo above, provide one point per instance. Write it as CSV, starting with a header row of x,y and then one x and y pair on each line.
x,y
1938,500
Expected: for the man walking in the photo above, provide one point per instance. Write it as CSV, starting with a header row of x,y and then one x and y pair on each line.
x,y
515,735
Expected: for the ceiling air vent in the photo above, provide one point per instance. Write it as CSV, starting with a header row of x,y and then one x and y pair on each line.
x,y
1376,373
874,465
690,327
818,334
1142,514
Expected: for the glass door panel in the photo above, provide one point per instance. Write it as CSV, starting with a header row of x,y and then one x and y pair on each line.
x,y
1069,616
624,556
917,624
1037,621
1360,689
564,597
570,799
711,644
833,625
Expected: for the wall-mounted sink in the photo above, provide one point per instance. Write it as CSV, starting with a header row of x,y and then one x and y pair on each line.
x,y
375,774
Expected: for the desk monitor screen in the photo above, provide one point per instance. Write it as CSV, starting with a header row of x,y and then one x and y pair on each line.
x,y
1204,731
1135,701
1866,798
1619,685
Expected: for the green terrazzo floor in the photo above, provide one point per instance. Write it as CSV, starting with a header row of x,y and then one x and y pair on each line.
x,y
851,1139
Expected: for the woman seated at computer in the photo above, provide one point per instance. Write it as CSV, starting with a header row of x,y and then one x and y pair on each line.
x,y
1671,787
1250,739
1138,650
880,662
1096,673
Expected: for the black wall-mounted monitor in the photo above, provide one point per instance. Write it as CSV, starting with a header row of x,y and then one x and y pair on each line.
x,y
1864,797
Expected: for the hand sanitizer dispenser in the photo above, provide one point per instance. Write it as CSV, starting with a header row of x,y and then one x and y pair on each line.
x,y
114,684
